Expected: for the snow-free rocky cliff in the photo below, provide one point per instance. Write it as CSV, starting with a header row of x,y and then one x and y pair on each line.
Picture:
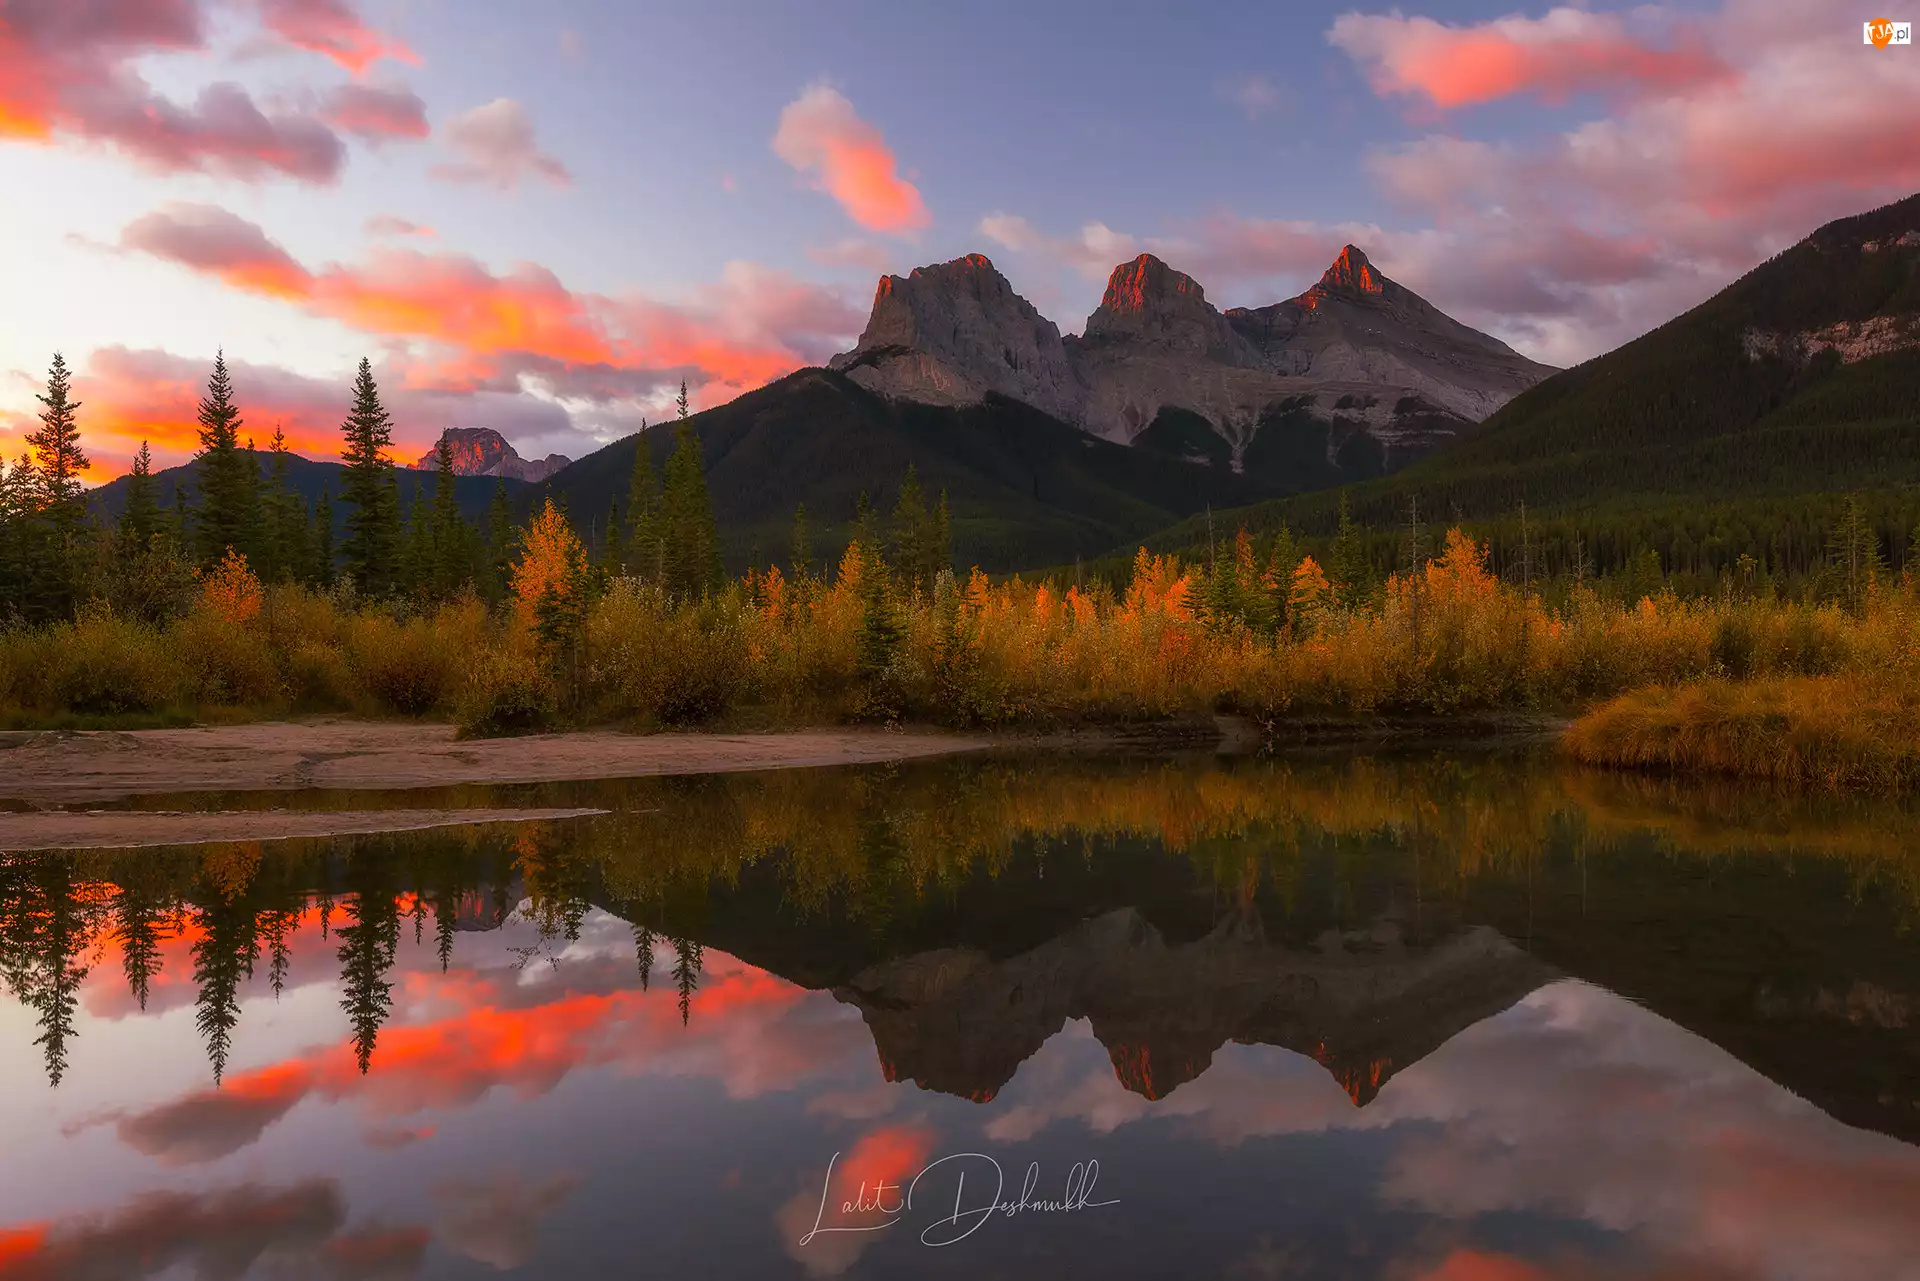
x,y
1356,350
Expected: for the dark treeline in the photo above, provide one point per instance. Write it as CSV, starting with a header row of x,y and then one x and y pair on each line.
x,y
244,912
56,556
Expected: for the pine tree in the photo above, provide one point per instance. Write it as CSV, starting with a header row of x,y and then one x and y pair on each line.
x,y
1348,570
140,518
1853,552
229,475
51,534
321,571
180,519
58,458
942,537
800,548
452,547
643,554
499,549
283,518
913,536
419,561
1282,559
690,540
372,548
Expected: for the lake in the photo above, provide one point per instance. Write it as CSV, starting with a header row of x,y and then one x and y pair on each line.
x,y
1433,1016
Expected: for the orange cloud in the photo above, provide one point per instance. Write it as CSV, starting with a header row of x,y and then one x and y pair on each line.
x,y
490,330
1564,52
209,239
822,136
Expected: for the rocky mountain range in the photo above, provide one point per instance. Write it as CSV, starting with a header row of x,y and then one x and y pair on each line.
x,y
482,451
1356,354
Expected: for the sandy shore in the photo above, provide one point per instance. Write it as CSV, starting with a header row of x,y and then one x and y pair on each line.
x,y
122,829
62,768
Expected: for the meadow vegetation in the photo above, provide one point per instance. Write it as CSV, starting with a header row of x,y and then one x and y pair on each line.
x,y
522,630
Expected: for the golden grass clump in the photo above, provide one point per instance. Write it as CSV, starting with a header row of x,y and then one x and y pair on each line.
x,y
1854,730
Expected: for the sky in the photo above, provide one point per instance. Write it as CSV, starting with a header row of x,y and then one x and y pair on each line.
x,y
542,218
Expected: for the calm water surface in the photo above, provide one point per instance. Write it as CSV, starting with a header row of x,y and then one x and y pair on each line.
x,y
1429,1017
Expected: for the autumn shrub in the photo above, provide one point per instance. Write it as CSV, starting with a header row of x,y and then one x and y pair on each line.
x,y
105,664
503,692
318,678
1843,731
405,667
226,664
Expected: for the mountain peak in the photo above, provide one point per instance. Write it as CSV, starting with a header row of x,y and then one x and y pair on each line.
x,y
1352,272
1135,286
482,451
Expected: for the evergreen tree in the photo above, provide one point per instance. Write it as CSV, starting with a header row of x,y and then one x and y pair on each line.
x,y
1282,559
180,516
229,475
499,543
1349,571
19,500
643,554
942,550
800,551
58,458
371,548
1853,552
321,571
368,945
451,542
140,518
283,518
419,561
690,540
52,532
913,536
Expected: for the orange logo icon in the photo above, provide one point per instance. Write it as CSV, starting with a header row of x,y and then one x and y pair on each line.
x,y
1881,32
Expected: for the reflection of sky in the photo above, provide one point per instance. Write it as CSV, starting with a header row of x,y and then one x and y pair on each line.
x,y
549,1113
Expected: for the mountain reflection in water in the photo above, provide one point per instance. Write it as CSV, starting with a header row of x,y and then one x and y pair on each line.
x,y
1423,1017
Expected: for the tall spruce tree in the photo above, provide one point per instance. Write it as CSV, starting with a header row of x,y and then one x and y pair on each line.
x,y
800,548
52,531
913,537
140,518
499,550
372,545
229,474
1349,570
1853,554
419,563
321,571
283,517
643,554
690,539
453,552
58,458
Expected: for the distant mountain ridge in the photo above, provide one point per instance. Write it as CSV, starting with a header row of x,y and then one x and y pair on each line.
x,y
1797,383
1357,353
482,451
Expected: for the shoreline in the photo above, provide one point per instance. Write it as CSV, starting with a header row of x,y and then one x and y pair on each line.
x,y
135,829
43,769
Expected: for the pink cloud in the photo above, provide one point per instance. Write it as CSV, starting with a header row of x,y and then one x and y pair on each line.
x,y
495,144
822,136
1564,52
209,239
67,70
488,330
389,225
332,29
376,114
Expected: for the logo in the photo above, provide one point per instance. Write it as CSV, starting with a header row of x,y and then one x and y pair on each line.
x,y
1882,32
